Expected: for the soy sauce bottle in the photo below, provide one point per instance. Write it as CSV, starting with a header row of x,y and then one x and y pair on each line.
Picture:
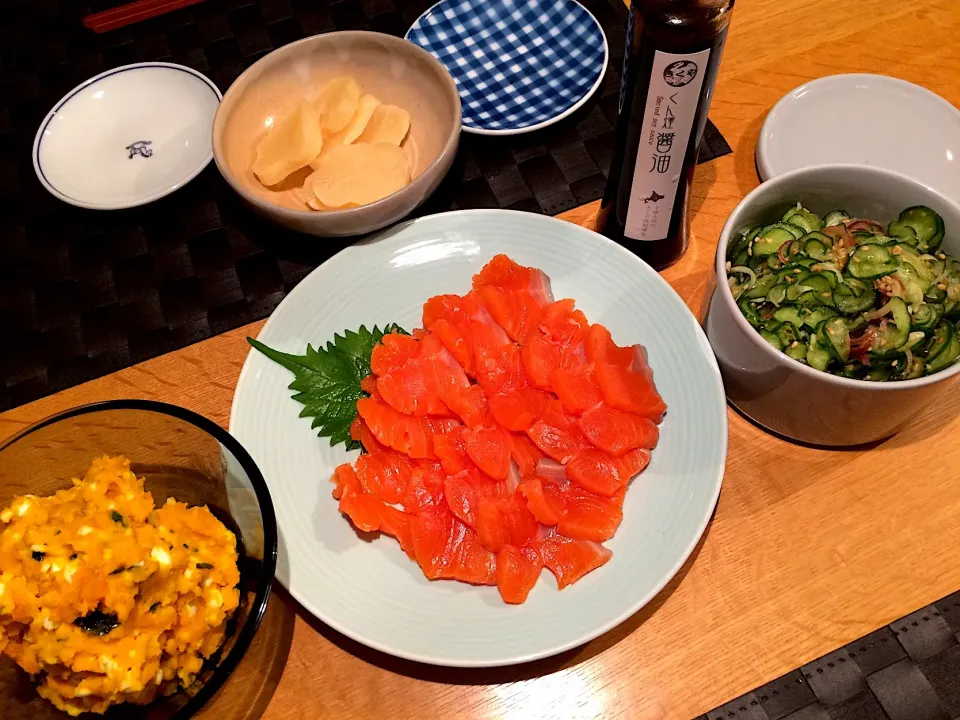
x,y
670,67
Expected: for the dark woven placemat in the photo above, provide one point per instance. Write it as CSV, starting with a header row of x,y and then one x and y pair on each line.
x,y
85,293
908,670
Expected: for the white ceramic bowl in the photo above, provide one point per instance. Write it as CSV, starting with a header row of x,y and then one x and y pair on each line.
x,y
789,397
395,70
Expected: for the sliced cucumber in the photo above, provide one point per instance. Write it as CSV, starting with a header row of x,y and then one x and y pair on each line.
x,y
926,317
939,341
817,315
871,261
817,357
895,334
920,226
789,315
777,294
771,338
817,245
803,218
749,311
853,296
772,238
947,355
837,334
761,287
788,334
835,217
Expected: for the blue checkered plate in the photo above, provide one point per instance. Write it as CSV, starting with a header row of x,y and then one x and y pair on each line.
x,y
519,65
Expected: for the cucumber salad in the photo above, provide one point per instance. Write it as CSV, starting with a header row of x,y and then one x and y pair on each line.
x,y
849,296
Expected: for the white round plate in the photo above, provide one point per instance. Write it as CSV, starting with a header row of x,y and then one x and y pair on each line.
x,y
371,591
864,119
127,137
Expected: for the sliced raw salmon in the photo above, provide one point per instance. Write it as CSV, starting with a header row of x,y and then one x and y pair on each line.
x,y
524,453
546,507
451,450
344,477
588,517
563,323
569,560
384,474
540,356
595,471
556,434
616,431
498,364
410,435
600,348
504,273
489,448
516,312
517,571
627,390
576,388
518,408
507,430
424,489
632,463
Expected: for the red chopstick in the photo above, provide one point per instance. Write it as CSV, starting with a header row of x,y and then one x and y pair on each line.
x,y
133,13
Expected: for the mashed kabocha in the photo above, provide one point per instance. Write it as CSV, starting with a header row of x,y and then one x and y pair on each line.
x,y
106,599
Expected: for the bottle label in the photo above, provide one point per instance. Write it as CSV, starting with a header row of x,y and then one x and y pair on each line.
x,y
672,100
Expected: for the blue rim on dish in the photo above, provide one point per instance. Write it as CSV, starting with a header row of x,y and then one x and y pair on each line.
x,y
519,65
38,140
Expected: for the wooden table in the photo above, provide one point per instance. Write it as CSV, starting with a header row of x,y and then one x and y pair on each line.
x,y
809,549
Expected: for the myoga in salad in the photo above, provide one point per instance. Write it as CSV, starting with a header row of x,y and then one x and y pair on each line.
x,y
850,296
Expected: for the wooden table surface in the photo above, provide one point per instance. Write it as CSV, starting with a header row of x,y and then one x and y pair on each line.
x,y
809,549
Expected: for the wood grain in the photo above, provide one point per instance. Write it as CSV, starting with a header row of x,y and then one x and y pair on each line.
x,y
809,549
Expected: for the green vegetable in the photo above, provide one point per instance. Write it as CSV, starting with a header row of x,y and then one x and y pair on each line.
x,y
885,308
835,217
919,226
327,379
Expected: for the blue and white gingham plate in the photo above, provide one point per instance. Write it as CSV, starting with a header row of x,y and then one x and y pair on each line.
x,y
519,65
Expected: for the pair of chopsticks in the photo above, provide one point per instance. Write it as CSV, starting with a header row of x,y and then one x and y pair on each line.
x,y
133,13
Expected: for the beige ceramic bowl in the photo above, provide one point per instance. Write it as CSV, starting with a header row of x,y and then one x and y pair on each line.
x,y
395,70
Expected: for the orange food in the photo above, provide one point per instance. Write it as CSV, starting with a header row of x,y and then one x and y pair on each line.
x,y
502,437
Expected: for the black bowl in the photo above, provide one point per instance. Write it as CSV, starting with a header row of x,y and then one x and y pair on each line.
x,y
183,455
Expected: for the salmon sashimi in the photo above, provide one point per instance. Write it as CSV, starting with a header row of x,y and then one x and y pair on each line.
x,y
556,434
616,431
576,387
524,454
517,571
569,560
385,474
587,517
595,471
625,389
518,313
545,506
489,448
500,438
600,348
517,409
540,357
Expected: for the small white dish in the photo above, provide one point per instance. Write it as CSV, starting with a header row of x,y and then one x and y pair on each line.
x,y
862,119
371,591
127,137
